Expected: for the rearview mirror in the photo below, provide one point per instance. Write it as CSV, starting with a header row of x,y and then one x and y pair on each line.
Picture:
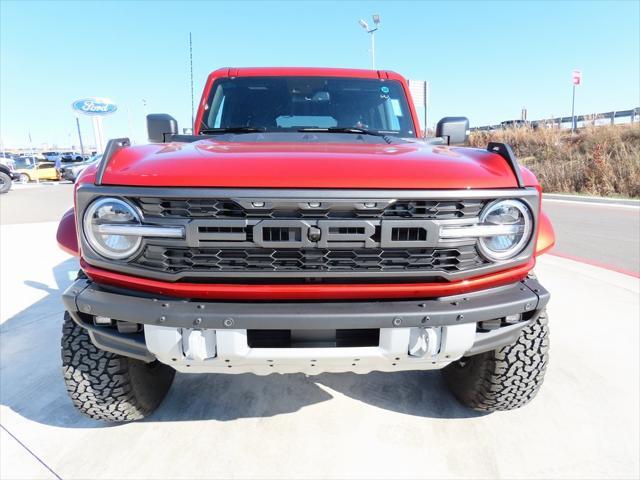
x,y
159,125
321,97
454,129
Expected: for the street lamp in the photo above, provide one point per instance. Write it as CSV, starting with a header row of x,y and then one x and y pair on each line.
x,y
371,31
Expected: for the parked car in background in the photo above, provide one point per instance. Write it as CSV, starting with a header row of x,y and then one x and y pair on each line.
x,y
39,171
73,157
71,172
514,123
7,172
25,162
51,156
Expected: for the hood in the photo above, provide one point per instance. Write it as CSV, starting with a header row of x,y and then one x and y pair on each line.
x,y
208,163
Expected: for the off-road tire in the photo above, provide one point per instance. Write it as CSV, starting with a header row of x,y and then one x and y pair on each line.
x,y
5,182
506,378
108,386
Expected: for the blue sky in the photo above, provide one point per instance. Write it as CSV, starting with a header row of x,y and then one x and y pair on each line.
x,y
485,60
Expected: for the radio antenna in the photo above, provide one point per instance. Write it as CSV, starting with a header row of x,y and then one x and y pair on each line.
x,y
191,68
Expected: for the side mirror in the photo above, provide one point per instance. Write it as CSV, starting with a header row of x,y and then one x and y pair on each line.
x,y
456,129
159,125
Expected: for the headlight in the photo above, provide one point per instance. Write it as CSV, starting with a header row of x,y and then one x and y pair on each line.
x,y
515,219
111,211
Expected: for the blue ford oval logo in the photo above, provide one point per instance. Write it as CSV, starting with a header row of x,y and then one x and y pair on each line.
x,y
94,106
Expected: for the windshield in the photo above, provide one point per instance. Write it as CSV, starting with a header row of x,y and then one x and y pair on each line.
x,y
281,104
24,162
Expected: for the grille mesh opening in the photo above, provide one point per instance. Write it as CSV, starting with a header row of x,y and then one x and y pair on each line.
x,y
281,234
221,229
347,230
226,208
408,234
172,260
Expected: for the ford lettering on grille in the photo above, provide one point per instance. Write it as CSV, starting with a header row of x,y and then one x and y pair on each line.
x,y
309,233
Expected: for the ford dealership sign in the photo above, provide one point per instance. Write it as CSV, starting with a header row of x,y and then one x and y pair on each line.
x,y
94,106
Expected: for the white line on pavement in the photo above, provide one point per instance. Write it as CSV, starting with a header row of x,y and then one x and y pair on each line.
x,y
590,198
591,204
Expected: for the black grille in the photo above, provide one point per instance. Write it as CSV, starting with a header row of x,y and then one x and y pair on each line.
x,y
393,236
176,260
225,208
431,209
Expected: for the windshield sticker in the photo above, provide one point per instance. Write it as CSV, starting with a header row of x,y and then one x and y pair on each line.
x,y
395,106
384,89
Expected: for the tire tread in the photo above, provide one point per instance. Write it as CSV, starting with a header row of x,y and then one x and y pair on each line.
x,y
506,378
100,383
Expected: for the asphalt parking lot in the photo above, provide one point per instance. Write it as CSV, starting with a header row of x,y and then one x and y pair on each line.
x,y
29,203
603,233
584,424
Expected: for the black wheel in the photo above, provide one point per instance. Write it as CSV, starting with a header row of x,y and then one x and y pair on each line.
x,y
108,386
503,379
5,182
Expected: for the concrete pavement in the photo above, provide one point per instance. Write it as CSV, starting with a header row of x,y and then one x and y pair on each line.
x,y
26,203
584,423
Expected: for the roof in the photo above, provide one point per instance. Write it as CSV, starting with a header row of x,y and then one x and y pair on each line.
x,y
306,72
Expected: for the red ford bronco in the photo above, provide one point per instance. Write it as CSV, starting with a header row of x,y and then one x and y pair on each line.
x,y
304,226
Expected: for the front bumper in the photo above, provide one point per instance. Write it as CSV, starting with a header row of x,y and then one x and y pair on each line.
x,y
206,336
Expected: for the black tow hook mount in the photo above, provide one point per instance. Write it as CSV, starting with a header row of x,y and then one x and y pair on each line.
x,y
504,150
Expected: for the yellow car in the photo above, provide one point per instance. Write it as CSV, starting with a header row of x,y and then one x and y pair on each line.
x,y
42,171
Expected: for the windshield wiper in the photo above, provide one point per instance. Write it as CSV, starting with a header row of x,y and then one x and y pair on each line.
x,y
354,130
208,131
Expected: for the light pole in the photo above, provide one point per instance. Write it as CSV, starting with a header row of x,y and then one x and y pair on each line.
x,y
573,109
371,31
79,136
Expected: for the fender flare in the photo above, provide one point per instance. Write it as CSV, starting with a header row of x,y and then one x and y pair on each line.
x,y
546,236
67,236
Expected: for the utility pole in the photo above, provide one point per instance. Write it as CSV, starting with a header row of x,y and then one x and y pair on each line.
x,y
371,31
191,68
33,157
426,108
373,50
79,136
573,110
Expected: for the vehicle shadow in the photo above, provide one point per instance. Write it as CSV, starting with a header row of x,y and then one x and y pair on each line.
x,y
418,393
31,379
